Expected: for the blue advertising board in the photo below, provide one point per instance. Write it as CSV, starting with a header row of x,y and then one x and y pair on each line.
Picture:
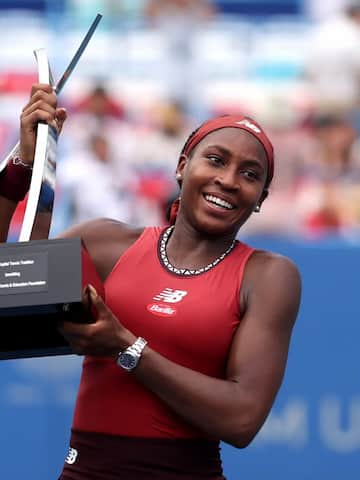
x,y
313,431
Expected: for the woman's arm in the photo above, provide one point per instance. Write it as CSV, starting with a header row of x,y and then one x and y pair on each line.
x,y
235,408
40,108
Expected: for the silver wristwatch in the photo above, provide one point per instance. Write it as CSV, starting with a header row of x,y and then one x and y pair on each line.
x,y
129,358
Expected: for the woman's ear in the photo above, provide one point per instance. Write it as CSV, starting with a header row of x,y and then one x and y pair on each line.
x,y
183,159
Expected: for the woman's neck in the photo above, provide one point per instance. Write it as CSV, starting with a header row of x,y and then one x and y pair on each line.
x,y
190,248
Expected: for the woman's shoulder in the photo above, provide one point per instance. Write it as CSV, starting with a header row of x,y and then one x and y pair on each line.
x,y
273,263
271,287
106,240
104,229
268,259
266,269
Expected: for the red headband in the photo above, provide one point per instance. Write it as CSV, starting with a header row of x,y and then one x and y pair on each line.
x,y
236,121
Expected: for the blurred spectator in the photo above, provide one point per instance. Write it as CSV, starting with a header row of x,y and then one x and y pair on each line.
x,y
152,160
100,104
183,8
179,20
88,177
316,188
162,139
328,185
98,111
180,13
333,64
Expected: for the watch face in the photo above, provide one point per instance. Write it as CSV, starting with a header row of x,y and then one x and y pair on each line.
x,y
127,361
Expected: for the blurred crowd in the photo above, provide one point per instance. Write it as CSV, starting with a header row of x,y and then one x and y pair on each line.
x,y
119,162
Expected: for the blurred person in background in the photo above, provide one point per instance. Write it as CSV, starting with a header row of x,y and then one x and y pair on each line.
x,y
157,143
98,141
333,61
99,104
96,110
216,315
91,168
178,21
318,174
327,184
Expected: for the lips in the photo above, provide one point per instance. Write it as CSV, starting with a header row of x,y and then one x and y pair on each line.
x,y
219,202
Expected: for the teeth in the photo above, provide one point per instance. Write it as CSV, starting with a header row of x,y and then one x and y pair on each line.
x,y
219,202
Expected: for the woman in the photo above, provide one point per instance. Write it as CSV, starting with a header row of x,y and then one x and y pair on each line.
x,y
191,345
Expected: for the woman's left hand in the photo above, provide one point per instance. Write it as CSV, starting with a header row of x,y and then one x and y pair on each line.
x,y
105,337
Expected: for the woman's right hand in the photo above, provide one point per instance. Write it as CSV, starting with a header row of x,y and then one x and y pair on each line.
x,y
42,107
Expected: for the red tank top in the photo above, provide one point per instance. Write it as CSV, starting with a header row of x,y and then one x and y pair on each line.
x,y
188,319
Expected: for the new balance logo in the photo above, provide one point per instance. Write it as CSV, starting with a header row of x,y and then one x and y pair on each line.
x,y
71,457
163,309
169,295
250,125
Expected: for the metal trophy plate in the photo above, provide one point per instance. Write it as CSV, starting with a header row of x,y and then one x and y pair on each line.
x,y
41,281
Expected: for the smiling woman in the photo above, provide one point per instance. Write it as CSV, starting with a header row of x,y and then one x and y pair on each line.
x,y
189,346
234,158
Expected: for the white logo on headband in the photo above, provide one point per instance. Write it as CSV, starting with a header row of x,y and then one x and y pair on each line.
x,y
250,125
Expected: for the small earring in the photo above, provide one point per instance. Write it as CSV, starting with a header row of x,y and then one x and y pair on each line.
x,y
257,209
178,176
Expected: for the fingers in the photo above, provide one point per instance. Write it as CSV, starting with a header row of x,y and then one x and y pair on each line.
x,y
94,303
41,107
42,102
97,301
36,87
77,335
42,92
60,117
38,112
103,337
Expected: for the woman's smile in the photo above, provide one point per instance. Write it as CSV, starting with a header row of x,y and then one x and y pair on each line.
x,y
218,202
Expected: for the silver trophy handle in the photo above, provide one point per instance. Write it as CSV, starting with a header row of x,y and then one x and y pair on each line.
x,y
38,213
39,207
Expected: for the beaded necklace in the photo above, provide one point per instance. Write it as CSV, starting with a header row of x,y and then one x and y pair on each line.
x,y
186,271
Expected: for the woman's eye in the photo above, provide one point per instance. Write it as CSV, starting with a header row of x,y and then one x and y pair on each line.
x,y
215,159
251,175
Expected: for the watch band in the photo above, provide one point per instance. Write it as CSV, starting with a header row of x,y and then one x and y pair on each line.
x,y
130,357
138,346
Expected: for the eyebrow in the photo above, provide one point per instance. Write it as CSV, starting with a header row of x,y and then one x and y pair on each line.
x,y
248,161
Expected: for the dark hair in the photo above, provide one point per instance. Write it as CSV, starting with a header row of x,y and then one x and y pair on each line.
x,y
189,139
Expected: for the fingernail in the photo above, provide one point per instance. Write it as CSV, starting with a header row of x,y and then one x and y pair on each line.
x,y
92,291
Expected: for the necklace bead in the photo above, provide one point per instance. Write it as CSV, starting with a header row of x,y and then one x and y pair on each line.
x,y
186,271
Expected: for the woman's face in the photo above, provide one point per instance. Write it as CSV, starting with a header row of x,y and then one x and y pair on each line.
x,y
223,181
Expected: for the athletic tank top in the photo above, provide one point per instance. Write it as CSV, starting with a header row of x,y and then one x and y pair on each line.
x,y
190,320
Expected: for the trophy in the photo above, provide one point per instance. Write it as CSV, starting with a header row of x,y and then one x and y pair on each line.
x,y
41,281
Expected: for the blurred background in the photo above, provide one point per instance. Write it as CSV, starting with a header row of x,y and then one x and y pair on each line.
x,y
152,72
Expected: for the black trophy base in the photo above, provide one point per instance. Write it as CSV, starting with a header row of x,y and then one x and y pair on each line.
x,y
41,284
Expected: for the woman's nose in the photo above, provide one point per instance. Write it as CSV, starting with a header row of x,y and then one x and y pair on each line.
x,y
228,179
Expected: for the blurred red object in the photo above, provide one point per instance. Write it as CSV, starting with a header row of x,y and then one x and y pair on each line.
x,y
155,187
17,220
17,82
99,102
323,222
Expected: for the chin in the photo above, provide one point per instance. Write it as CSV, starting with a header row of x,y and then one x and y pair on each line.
x,y
217,228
